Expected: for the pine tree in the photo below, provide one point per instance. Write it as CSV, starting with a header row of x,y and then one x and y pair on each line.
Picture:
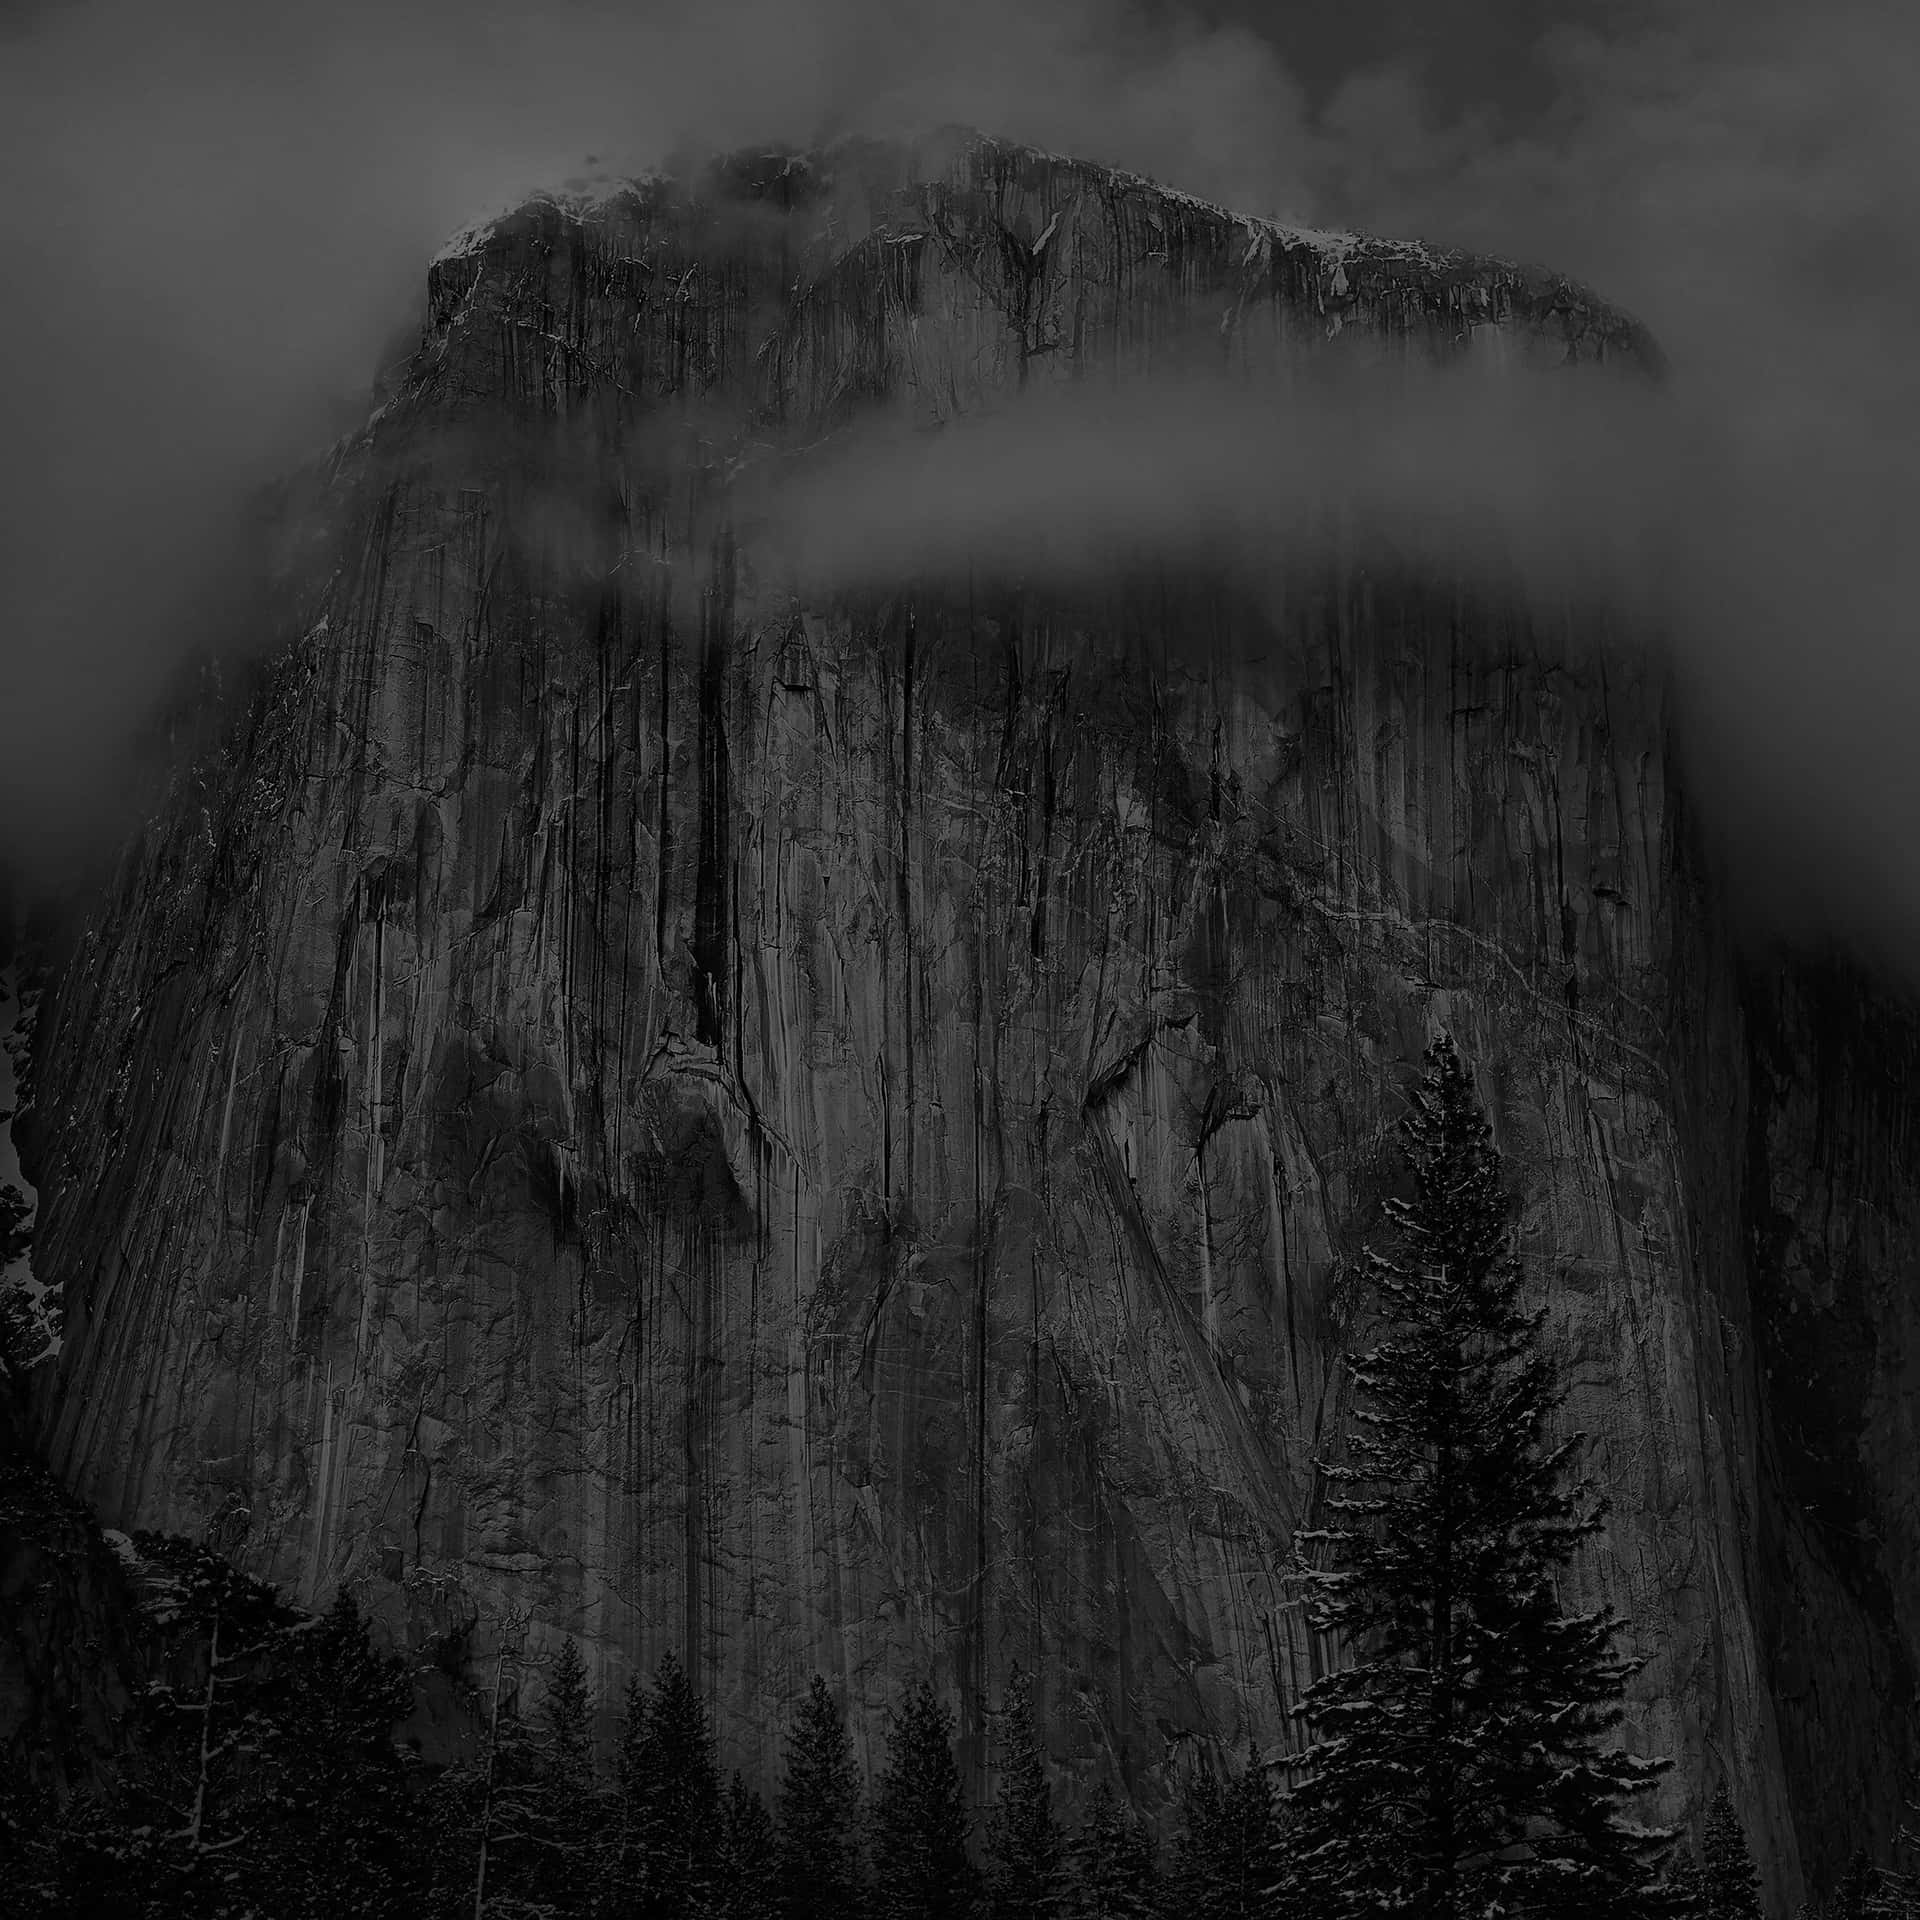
x,y
1682,1888
446,1819
1197,1844
1227,1854
670,1801
28,1859
259,1773
1729,1884
1900,1883
197,1795
747,1883
337,1794
1459,1755
575,1807
546,1813
568,1713
1253,1826
921,1870
1113,1876
1853,1898
106,1865
1026,1868
22,1339
819,1825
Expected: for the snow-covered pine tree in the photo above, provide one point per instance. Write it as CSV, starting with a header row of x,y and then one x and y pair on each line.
x,y
1227,1855
1253,1825
546,1825
627,1864
1729,1883
1853,1897
1900,1883
198,1790
338,1796
573,1805
1196,1843
1459,1758
1026,1851
20,1339
103,1862
28,1822
819,1814
670,1801
1113,1877
1682,1888
921,1869
567,1713
747,1880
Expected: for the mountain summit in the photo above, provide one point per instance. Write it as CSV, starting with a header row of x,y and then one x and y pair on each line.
x,y
639,1096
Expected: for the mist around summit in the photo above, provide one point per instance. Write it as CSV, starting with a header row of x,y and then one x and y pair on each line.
x,y
221,220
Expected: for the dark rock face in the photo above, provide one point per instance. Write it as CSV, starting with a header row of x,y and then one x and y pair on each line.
x,y
806,1131
1831,1210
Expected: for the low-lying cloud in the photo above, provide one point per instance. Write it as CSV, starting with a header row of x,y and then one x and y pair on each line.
x,y
1747,179
220,215
1557,484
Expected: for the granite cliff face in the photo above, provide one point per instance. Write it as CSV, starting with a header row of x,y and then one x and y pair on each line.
x,y
622,1100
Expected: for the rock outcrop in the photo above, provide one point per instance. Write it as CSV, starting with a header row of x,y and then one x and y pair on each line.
x,y
621,1100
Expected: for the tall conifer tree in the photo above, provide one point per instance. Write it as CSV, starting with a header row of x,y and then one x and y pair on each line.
x,y
1227,1857
1461,1756
197,1790
747,1883
921,1870
545,1826
671,1804
338,1793
1853,1898
570,1805
1729,1883
1113,1877
819,1814
1026,1851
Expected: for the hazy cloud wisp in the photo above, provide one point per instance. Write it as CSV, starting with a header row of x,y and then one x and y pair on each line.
x,y
220,216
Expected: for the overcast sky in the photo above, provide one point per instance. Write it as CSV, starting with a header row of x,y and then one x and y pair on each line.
x,y
217,213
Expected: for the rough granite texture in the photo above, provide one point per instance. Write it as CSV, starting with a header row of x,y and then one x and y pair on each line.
x,y
620,1102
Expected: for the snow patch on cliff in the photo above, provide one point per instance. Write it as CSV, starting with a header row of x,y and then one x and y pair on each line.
x,y
123,1549
575,197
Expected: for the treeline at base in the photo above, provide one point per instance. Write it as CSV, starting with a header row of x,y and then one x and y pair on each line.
x,y
269,1785
1462,1758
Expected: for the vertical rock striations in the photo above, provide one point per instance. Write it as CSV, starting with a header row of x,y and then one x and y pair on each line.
x,y
805,1128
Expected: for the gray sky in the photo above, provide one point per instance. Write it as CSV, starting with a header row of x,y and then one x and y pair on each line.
x,y
1471,56
217,213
